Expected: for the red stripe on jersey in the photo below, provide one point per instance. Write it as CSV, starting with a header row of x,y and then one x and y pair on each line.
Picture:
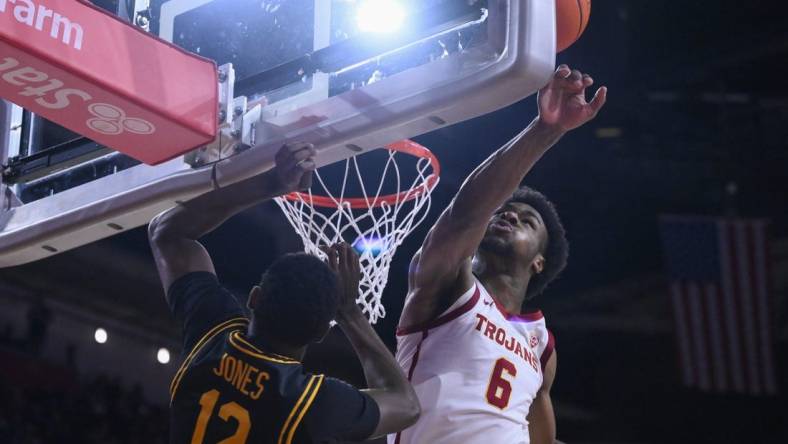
x,y
548,350
415,359
526,317
521,317
413,363
450,316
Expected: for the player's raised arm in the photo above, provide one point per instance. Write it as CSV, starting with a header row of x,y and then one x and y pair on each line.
x,y
174,233
387,385
441,270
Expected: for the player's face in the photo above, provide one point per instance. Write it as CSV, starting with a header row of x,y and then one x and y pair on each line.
x,y
516,229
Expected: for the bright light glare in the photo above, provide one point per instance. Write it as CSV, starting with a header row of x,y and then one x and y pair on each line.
x,y
372,245
100,335
380,16
163,356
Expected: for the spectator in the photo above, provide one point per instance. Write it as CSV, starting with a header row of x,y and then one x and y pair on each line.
x,y
98,412
38,319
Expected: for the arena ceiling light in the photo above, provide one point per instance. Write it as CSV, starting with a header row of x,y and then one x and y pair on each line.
x,y
163,356
380,16
100,335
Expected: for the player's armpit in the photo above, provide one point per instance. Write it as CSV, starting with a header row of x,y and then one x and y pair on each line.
x,y
444,250
427,299
541,417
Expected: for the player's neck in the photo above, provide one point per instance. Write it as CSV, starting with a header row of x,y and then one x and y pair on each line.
x,y
505,283
272,345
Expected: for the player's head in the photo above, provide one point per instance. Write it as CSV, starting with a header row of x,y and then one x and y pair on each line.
x,y
296,300
527,229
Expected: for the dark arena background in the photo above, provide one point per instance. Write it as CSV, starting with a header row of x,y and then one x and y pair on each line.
x,y
696,124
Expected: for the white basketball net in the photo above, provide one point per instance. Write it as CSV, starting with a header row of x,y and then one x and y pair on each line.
x,y
375,230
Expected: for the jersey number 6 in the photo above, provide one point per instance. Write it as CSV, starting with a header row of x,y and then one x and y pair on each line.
x,y
499,390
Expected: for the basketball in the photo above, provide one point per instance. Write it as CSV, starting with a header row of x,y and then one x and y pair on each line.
x,y
571,18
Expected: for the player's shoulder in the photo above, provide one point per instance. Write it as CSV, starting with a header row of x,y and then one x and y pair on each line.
x,y
210,346
201,294
461,305
196,281
200,304
245,347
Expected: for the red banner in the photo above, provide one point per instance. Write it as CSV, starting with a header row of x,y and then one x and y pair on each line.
x,y
101,77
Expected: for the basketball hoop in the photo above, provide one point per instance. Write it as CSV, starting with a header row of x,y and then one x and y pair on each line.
x,y
375,224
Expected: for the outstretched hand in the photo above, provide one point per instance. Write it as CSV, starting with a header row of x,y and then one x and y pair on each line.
x,y
562,102
295,163
343,259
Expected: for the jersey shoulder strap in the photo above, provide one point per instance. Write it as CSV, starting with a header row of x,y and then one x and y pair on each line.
x,y
237,340
213,333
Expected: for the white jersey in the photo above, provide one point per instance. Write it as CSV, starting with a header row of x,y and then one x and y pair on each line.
x,y
476,370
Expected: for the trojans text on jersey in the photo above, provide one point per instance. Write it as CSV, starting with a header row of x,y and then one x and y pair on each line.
x,y
498,335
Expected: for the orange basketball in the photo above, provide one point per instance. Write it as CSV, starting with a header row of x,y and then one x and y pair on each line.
x,y
571,18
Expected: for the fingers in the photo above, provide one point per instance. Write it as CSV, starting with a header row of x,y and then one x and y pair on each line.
x,y
350,261
292,153
587,80
295,163
303,167
340,257
576,78
562,72
297,146
344,255
571,80
292,147
331,256
355,262
301,156
352,254
306,178
600,97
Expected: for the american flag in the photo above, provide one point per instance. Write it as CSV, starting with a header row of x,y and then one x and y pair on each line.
x,y
722,302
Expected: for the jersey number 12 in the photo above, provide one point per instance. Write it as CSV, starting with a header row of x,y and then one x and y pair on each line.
x,y
226,411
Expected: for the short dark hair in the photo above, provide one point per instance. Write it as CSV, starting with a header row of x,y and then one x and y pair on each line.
x,y
300,296
556,251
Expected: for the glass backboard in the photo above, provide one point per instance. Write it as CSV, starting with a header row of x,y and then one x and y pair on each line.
x,y
323,76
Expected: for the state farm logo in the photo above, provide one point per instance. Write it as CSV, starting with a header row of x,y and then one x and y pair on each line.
x,y
59,27
111,120
52,93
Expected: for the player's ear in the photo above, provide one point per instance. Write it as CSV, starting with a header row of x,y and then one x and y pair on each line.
x,y
254,297
537,265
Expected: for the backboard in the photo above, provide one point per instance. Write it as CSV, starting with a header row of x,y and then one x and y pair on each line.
x,y
324,79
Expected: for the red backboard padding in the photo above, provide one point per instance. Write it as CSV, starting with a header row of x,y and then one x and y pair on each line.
x,y
99,76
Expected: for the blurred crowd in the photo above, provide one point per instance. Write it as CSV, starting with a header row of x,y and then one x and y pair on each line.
x,y
98,411
47,402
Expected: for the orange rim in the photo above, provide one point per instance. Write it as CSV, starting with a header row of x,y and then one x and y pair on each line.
x,y
402,146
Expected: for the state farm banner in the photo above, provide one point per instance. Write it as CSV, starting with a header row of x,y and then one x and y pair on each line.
x,y
99,76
